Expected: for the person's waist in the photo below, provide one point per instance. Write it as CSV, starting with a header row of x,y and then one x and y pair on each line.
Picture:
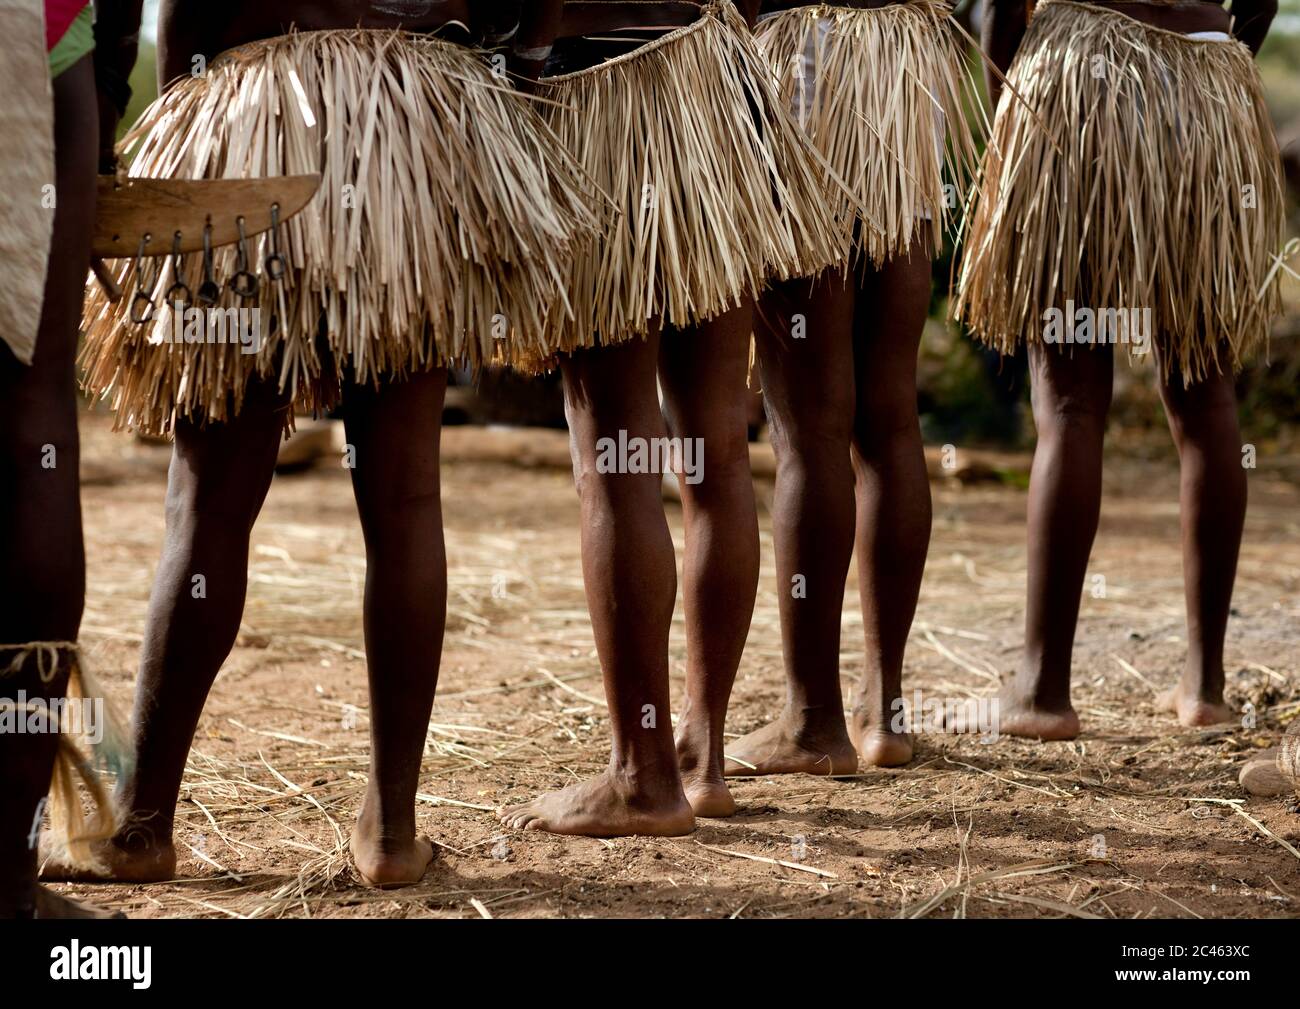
x,y
1186,17
592,17
322,36
777,6
452,32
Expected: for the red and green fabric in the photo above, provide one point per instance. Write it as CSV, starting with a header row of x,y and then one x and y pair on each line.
x,y
69,32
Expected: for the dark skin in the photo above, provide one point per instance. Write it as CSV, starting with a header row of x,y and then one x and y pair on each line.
x,y
42,558
656,785
42,561
218,480
850,465
1071,396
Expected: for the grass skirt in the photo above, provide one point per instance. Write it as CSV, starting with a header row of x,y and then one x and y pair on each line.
x,y
714,188
444,229
1149,180
885,94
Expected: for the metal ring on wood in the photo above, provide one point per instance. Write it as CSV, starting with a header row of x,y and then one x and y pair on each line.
x,y
178,295
276,264
142,302
244,283
141,308
179,286
209,289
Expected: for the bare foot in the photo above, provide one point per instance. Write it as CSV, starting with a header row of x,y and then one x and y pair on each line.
x,y
53,905
606,806
778,748
1260,775
704,788
873,733
1009,713
700,764
1193,711
881,747
708,798
121,860
386,864
875,727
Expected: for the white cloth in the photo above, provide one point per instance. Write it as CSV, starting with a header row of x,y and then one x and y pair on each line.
x,y
26,173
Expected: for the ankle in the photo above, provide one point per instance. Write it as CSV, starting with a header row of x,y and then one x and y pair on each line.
x,y
379,824
697,743
142,833
647,774
1202,681
1034,687
874,707
814,722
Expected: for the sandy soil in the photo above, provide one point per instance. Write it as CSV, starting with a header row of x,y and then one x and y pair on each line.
x,y
1112,825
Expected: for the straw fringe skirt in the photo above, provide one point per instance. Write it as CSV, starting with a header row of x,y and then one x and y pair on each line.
x,y
714,189
447,218
884,94
1165,193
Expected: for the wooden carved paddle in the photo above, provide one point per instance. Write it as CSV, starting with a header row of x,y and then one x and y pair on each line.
x,y
145,215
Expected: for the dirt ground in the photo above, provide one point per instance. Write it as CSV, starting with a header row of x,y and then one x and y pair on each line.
x,y
1115,824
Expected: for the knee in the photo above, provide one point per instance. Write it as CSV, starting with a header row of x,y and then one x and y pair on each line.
x,y
587,474
1056,410
406,500
714,468
622,468
210,504
883,418
814,438
1208,404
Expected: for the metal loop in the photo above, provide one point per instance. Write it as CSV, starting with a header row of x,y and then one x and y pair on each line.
x,y
241,257
178,276
276,265
209,289
142,302
178,260
178,295
243,283
141,308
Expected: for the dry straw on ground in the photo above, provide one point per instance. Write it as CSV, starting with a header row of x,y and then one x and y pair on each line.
x,y
970,828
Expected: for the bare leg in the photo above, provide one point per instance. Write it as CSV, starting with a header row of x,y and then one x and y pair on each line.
x,y
630,573
806,358
216,484
42,560
702,372
1071,396
395,431
1203,420
893,494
